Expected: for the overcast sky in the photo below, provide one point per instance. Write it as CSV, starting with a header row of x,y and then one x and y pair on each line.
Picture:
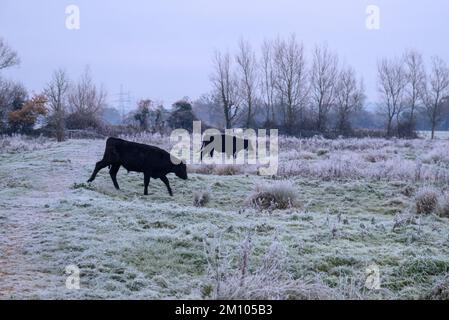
x,y
162,49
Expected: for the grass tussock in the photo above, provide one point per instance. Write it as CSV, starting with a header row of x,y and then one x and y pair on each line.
x,y
426,200
227,170
268,280
443,205
201,198
274,195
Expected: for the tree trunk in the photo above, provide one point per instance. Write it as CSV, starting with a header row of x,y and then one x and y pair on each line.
x,y
248,120
389,127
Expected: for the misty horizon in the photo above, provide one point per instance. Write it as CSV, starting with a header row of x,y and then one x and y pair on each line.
x,y
163,51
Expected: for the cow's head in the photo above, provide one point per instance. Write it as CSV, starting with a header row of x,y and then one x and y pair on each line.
x,y
181,170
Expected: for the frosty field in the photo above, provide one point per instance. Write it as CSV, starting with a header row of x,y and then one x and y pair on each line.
x,y
355,208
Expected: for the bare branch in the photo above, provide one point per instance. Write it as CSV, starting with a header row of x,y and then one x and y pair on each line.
x,y
8,57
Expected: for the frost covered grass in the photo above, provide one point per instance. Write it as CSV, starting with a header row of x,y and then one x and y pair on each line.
x,y
358,208
19,143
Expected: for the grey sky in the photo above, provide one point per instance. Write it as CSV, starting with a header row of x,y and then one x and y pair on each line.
x,y
162,49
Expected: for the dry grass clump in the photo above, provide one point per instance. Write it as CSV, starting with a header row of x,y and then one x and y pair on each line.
x,y
227,170
408,191
269,280
375,156
426,200
275,195
201,198
435,156
443,205
202,169
440,290
307,155
321,152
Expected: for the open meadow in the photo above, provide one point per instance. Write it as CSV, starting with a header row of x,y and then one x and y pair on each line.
x,y
336,210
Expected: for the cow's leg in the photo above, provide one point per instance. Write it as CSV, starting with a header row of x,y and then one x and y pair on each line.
x,y
113,172
98,166
167,184
146,182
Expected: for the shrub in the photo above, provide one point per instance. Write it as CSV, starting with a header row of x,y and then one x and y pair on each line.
x,y
200,198
79,120
322,152
443,205
426,200
276,195
227,170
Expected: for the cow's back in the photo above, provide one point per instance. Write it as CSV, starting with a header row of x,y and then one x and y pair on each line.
x,y
137,156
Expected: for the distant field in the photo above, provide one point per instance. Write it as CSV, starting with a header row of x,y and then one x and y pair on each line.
x,y
354,208
438,134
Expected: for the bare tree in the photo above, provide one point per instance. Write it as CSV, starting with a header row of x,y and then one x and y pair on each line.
x,y
416,77
350,98
323,80
8,57
290,78
226,88
267,83
142,114
435,92
391,84
86,101
247,73
56,94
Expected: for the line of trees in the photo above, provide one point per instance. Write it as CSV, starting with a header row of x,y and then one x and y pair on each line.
x,y
406,88
62,104
66,104
280,87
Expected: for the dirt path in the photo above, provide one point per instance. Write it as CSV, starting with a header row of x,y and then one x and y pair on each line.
x,y
21,222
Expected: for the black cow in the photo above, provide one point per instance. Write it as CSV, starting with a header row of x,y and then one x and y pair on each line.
x,y
152,161
238,144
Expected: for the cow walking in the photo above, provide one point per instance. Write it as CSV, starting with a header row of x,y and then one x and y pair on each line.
x,y
152,161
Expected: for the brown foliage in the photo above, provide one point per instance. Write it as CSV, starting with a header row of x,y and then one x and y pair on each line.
x,y
28,113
